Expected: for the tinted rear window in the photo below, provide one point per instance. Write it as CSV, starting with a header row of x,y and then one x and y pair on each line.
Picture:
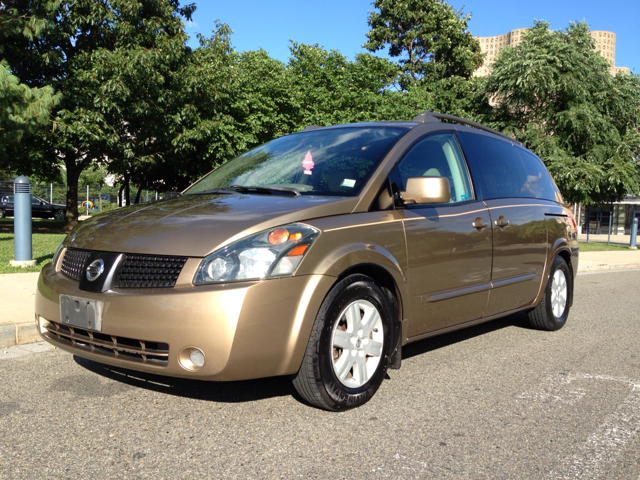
x,y
539,181
500,170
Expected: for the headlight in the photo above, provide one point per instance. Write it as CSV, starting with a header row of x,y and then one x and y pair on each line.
x,y
276,252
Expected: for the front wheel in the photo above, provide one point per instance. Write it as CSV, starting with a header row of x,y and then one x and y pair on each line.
x,y
349,347
553,310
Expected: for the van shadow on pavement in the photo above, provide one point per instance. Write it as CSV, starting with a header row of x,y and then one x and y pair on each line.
x,y
222,392
434,343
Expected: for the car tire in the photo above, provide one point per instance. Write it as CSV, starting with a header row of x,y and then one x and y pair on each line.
x,y
59,215
2,214
552,312
344,370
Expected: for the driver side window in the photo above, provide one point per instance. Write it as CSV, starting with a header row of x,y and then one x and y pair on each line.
x,y
435,156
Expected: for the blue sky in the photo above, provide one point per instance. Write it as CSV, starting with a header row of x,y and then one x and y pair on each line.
x,y
342,24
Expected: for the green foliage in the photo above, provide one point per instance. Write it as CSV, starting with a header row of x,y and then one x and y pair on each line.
x,y
94,175
556,94
23,109
209,124
329,89
429,36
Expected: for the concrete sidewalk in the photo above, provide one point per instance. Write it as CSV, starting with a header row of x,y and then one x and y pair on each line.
x,y
17,316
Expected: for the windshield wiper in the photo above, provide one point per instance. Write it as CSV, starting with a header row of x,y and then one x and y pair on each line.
x,y
263,189
225,190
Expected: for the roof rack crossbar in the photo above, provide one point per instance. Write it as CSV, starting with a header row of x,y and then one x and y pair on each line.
x,y
432,117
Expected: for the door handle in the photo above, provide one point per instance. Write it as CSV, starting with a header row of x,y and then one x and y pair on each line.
x,y
479,224
501,222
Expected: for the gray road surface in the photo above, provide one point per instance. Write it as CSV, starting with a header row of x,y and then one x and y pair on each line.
x,y
496,401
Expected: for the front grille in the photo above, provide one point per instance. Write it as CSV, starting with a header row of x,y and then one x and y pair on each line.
x,y
136,271
74,263
122,348
149,271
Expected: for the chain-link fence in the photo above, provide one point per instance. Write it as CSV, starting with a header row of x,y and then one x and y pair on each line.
x,y
91,198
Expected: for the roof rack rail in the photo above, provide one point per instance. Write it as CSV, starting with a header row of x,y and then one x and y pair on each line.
x,y
310,127
433,117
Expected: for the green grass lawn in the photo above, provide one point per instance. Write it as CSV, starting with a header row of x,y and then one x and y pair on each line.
x,y
602,247
42,245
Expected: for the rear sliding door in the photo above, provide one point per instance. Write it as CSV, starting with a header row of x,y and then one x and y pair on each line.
x,y
516,189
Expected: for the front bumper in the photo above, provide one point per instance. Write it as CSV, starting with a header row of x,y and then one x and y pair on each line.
x,y
246,330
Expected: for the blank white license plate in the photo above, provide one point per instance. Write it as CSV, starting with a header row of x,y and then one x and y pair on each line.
x,y
81,312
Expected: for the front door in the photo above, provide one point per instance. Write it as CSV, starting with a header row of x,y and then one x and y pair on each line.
x,y
448,245
449,265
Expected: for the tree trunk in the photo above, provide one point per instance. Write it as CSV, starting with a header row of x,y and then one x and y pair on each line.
x,y
73,174
120,195
127,191
138,194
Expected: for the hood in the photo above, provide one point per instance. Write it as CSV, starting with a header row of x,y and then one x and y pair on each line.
x,y
196,225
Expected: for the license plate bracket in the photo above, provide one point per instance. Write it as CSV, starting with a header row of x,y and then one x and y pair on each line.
x,y
81,312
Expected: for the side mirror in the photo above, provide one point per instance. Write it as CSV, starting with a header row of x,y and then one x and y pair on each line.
x,y
427,190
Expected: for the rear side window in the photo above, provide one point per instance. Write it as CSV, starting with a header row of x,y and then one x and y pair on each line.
x,y
539,182
496,168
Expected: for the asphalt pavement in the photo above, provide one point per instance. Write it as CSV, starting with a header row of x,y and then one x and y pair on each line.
x,y
499,400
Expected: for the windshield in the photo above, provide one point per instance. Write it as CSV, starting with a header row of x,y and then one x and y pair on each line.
x,y
318,162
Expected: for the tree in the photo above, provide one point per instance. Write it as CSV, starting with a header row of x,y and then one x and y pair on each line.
x,y
114,62
556,94
429,36
330,89
23,110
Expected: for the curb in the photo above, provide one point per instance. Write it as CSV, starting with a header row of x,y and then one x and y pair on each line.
x,y
18,334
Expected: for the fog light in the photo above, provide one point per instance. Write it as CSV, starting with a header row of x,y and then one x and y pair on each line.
x,y
197,358
191,358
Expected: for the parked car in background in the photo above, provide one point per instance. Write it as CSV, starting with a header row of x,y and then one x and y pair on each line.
x,y
39,208
319,255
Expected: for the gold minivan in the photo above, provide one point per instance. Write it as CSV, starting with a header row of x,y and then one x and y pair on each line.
x,y
318,255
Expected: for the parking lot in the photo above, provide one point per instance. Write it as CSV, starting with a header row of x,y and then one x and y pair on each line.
x,y
495,401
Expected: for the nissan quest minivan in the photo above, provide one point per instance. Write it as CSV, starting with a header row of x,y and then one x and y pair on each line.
x,y
318,255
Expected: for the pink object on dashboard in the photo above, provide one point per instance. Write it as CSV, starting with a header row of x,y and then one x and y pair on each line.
x,y
307,163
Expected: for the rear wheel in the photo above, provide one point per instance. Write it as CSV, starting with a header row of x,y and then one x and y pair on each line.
x,y
553,310
59,215
349,347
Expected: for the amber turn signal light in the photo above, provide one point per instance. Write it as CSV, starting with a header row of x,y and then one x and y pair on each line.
x,y
299,250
